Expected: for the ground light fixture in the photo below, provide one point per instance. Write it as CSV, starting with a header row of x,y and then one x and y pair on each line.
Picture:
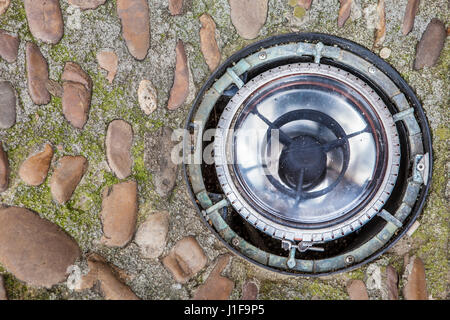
x,y
319,152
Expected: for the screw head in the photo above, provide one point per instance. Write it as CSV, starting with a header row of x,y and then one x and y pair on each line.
x,y
349,259
235,241
291,263
420,167
372,69
262,55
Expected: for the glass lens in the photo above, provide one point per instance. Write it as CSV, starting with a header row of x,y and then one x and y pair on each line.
x,y
306,149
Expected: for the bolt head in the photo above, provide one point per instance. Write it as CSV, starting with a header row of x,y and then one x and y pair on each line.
x,y
262,55
349,259
291,263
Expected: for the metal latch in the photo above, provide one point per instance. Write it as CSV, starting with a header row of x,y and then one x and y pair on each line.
x,y
302,246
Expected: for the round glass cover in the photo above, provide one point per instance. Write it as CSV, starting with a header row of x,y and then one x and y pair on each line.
x,y
306,149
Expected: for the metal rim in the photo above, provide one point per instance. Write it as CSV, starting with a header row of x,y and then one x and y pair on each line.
x,y
383,67
262,222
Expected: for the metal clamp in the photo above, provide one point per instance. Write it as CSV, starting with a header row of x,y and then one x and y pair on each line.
x,y
302,246
403,114
219,205
318,52
238,81
420,168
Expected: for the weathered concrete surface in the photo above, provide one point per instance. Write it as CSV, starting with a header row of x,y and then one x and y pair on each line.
x,y
88,32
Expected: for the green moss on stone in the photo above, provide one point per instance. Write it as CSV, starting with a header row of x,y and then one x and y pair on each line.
x,y
17,290
299,12
62,53
292,3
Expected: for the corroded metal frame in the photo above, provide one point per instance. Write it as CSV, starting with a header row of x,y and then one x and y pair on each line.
x,y
345,52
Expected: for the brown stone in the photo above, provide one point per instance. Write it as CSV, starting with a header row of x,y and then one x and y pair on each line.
x,y
119,213
176,7
250,290
37,73
54,88
35,169
9,46
77,92
4,4
33,249
304,4
45,20
74,73
416,283
380,29
392,283
430,45
180,88
3,295
158,154
119,139
86,4
4,169
185,259
134,15
67,176
356,290
151,236
410,15
248,16
108,60
208,42
76,102
344,12
110,285
216,287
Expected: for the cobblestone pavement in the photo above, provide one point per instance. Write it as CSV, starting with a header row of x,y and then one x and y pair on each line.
x,y
90,91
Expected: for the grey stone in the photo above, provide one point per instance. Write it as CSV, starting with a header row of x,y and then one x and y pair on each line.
x,y
7,105
158,153
151,236
147,96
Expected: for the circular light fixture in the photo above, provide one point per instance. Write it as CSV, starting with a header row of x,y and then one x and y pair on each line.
x,y
320,154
